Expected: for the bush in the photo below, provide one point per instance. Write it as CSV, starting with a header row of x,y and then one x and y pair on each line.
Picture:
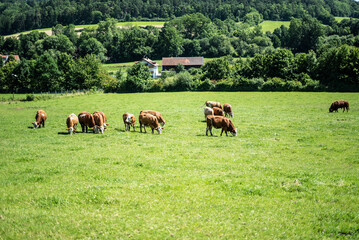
x,y
245,84
205,85
274,84
293,85
30,97
226,85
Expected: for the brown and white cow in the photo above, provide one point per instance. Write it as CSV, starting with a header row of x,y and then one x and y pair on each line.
x,y
220,122
217,111
129,120
40,119
104,119
227,108
71,122
212,104
86,120
99,122
150,120
339,104
208,112
156,114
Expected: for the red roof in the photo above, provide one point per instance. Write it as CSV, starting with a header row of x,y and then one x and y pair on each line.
x,y
5,57
186,61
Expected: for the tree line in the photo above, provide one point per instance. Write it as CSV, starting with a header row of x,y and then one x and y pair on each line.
x,y
22,15
305,54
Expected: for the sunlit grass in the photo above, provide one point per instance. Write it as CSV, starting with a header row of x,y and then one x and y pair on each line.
x,y
272,25
292,171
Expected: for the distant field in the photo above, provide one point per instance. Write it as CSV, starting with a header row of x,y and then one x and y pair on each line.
x,y
291,173
339,19
271,25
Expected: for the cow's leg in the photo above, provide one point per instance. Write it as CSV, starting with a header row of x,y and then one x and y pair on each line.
x,y
153,130
207,131
144,127
140,127
222,132
43,124
133,126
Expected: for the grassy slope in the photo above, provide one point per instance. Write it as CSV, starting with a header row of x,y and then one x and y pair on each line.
x,y
291,173
271,25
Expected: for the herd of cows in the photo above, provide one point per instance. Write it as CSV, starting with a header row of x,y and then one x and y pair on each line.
x,y
215,116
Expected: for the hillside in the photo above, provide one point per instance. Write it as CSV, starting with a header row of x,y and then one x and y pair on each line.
x,y
18,16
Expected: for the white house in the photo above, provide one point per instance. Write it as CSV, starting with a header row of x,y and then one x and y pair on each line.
x,y
152,66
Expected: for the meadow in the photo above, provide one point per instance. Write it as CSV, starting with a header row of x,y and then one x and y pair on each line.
x,y
291,173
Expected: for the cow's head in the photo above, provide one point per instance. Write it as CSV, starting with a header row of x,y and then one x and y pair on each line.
x,y
70,130
159,130
35,124
232,115
102,128
331,109
234,132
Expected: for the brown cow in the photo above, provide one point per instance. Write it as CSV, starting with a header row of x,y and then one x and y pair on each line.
x,y
228,110
212,104
104,119
217,111
71,122
86,120
129,120
147,119
339,104
156,114
40,118
220,122
99,122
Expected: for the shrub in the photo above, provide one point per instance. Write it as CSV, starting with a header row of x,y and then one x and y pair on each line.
x,y
245,84
225,85
205,85
274,84
30,97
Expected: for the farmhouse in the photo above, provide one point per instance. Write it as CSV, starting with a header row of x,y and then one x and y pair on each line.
x,y
4,58
187,62
152,66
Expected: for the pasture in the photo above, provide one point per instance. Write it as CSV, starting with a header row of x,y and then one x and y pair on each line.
x,y
292,171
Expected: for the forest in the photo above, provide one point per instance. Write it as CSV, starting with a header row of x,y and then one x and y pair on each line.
x,y
306,56
23,15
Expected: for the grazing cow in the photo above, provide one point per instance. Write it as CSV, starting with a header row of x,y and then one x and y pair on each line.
x,y
339,104
86,120
213,104
220,122
217,111
99,122
104,119
147,119
156,114
129,120
228,110
71,122
40,119
208,111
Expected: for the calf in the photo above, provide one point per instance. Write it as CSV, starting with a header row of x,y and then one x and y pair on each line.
x,y
213,104
147,119
339,104
40,119
217,111
71,122
208,112
104,119
156,114
129,120
99,122
220,122
86,120
228,110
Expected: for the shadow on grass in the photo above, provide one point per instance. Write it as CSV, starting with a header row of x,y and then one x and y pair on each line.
x,y
63,133
204,135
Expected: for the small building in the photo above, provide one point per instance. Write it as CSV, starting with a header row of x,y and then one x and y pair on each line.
x,y
4,58
188,62
152,66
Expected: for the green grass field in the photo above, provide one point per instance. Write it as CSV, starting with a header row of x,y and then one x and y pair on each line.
x,y
271,25
291,173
